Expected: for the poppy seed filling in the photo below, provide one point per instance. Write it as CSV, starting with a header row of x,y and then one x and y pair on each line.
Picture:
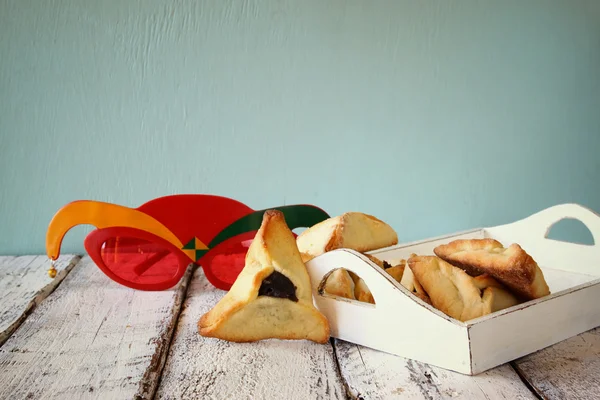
x,y
278,285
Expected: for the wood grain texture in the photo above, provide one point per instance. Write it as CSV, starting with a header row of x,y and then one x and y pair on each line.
x,y
568,370
208,368
371,374
24,283
91,338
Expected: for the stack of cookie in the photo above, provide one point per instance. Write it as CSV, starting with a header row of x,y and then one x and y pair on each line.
x,y
470,278
465,279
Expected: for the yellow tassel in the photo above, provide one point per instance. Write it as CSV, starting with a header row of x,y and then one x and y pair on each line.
x,y
52,271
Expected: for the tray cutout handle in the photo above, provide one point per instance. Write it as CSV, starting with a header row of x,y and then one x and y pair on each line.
x,y
380,285
532,234
542,222
320,291
570,230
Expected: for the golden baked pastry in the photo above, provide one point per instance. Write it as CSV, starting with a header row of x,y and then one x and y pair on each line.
x,y
306,257
340,283
272,296
396,271
347,284
457,294
351,230
411,283
512,266
361,291
344,283
375,260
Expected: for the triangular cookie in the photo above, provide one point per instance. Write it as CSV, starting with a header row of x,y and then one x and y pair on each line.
x,y
340,283
272,296
512,265
351,230
457,294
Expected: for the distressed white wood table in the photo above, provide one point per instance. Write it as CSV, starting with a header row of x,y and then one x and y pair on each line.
x,y
82,336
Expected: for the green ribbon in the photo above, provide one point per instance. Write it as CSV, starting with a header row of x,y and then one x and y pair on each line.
x,y
296,216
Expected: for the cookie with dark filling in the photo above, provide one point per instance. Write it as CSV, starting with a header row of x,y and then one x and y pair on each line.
x,y
272,296
278,285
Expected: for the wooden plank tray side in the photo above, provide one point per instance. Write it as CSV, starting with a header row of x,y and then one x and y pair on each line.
x,y
529,327
383,326
478,345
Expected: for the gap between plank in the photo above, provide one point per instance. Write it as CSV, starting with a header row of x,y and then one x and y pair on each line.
x,y
368,373
521,375
339,370
42,295
169,336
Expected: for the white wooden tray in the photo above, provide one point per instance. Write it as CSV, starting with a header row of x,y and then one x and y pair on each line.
x,y
401,324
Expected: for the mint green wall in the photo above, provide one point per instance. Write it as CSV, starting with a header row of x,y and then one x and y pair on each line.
x,y
435,116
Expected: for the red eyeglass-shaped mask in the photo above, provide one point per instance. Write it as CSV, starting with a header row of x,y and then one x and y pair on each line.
x,y
150,247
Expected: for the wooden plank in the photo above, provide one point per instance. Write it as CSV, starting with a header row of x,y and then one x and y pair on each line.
x,y
371,374
91,338
24,283
203,368
568,370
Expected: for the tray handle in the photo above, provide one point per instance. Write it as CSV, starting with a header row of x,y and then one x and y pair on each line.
x,y
540,223
382,286
532,234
